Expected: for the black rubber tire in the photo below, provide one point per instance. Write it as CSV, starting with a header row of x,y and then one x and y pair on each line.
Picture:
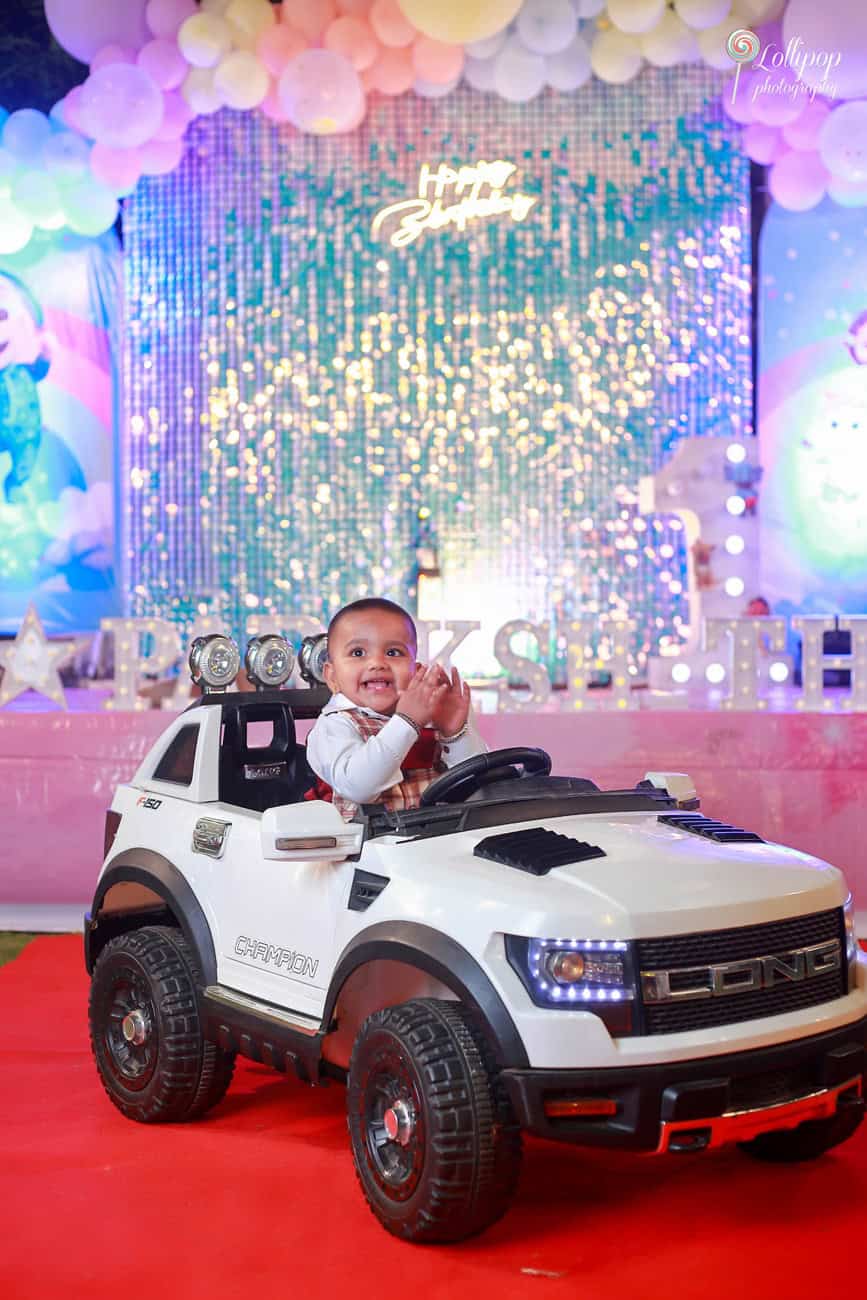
x,y
174,1074
458,1171
808,1141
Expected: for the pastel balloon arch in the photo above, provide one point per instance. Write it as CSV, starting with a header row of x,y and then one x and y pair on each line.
x,y
797,81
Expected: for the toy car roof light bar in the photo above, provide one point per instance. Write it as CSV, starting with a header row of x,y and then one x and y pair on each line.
x,y
311,659
269,661
214,662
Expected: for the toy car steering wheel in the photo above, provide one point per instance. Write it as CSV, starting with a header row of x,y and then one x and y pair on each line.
x,y
464,779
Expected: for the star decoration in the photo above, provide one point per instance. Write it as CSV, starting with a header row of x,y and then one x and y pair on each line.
x,y
30,662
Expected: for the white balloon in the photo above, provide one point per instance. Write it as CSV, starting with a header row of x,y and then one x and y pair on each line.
x,y
479,73
15,229
843,142
615,57
241,80
570,68
713,43
701,14
635,16
204,39
670,42
487,48
803,133
547,26
200,92
831,37
519,74
849,194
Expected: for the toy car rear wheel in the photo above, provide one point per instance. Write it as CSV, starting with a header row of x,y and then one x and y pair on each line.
x,y
145,1029
437,1148
808,1141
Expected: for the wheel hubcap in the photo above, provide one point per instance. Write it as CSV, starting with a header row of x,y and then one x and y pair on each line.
x,y
399,1122
135,1028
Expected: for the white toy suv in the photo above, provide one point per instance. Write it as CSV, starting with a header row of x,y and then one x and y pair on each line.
x,y
524,951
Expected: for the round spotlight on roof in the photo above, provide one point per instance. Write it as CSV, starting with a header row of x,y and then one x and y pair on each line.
x,y
715,674
681,673
214,661
736,505
734,586
311,659
269,660
736,453
735,544
778,671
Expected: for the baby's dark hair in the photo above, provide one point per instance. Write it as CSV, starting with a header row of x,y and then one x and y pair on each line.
x,y
371,603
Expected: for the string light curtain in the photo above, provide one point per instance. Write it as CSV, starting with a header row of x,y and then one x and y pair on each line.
x,y
303,395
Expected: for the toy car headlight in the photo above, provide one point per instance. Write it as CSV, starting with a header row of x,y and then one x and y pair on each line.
x,y
595,975
214,661
851,939
269,660
311,659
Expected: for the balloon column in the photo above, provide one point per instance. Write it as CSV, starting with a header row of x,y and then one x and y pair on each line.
x,y
155,65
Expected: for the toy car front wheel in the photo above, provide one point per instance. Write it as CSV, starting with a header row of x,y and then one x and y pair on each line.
x,y
437,1148
145,1030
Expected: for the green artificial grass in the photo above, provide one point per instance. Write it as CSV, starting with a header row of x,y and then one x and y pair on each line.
x,y
11,944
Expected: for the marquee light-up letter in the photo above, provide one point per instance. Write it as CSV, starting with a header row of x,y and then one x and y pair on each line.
x,y
452,196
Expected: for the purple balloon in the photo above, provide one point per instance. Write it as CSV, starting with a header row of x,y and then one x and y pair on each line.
x,y
164,17
83,27
121,106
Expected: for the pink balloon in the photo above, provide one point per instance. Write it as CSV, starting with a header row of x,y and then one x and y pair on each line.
x,y
389,25
164,63
354,40
798,181
353,7
278,45
763,144
117,169
177,116
310,17
121,106
160,156
83,27
803,133
111,54
164,17
272,105
437,62
72,109
776,100
392,74
321,93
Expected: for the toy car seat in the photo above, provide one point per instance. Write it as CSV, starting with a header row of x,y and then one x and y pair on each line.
x,y
261,776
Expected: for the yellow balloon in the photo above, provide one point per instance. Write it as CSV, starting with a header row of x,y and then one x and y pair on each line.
x,y
459,21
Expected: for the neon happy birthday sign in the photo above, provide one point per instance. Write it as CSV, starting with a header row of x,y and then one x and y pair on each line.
x,y
450,196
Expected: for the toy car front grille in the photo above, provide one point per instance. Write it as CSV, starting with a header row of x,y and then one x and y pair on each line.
x,y
719,832
715,947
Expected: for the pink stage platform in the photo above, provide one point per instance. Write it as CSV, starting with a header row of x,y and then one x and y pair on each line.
x,y
796,778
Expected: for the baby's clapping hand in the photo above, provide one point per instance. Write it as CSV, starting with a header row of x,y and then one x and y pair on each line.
x,y
420,700
453,706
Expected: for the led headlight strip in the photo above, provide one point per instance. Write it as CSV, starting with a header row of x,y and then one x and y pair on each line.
x,y
595,975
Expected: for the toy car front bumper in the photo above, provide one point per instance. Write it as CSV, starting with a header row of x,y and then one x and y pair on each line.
x,y
694,1105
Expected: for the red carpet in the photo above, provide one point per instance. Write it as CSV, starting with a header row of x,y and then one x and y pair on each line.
x,y
260,1198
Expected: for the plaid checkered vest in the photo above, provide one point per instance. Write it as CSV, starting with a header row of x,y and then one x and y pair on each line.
x,y
421,765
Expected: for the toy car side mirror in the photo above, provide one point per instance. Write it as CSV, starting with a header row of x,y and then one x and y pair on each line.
x,y
312,831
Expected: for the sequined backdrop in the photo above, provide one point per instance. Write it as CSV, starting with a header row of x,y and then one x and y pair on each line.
x,y
311,411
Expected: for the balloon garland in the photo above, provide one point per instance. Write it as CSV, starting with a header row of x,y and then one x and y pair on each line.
x,y
798,86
